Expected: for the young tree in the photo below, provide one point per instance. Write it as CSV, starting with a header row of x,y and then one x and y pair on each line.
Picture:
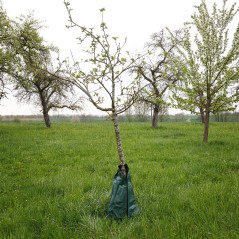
x,y
38,79
105,81
159,70
209,66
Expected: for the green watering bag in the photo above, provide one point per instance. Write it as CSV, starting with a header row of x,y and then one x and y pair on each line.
x,y
122,200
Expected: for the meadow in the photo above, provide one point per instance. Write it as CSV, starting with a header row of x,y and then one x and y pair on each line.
x,y
56,183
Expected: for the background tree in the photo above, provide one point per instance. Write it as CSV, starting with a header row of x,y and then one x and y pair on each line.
x,y
129,114
141,110
222,117
39,80
163,113
209,66
235,117
159,70
103,80
179,117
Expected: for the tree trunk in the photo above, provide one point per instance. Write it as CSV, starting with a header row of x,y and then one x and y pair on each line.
x,y
119,144
155,116
206,127
46,118
202,116
45,109
45,114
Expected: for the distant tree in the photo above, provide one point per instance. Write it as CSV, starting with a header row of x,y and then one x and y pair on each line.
x,y
75,119
129,114
39,81
210,68
222,117
159,70
235,117
163,113
180,117
102,81
141,110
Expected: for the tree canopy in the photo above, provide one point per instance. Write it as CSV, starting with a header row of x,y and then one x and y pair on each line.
x,y
158,69
7,50
209,65
38,79
106,81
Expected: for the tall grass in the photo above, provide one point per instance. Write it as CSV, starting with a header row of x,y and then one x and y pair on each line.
x,y
56,183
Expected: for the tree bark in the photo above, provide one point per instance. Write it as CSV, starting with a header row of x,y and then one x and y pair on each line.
x,y
45,110
46,118
119,144
202,115
155,116
206,127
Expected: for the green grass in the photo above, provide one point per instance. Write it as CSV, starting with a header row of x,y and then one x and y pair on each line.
x,y
56,183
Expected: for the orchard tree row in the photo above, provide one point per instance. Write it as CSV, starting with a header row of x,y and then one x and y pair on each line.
x,y
197,73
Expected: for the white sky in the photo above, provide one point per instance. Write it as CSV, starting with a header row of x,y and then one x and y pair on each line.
x,y
134,19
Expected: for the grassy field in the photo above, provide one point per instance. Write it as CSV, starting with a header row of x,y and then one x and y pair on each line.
x,y
56,183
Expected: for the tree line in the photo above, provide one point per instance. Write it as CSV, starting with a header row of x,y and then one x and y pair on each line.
x,y
198,73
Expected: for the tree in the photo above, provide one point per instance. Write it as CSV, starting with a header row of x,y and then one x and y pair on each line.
x,y
222,117
163,113
38,79
159,70
2,86
209,67
235,117
141,110
7,50
129,114
102,81
180,117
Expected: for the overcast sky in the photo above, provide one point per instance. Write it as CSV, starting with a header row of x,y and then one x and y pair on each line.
x,y
134,19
